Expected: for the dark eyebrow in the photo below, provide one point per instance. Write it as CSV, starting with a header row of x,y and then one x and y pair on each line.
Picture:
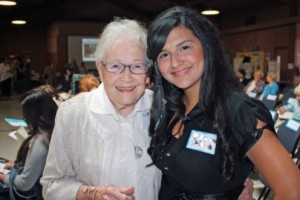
x,y
179,44
184,41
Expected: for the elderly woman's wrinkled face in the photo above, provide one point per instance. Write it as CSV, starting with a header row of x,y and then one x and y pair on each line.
x,y
257,76
123,89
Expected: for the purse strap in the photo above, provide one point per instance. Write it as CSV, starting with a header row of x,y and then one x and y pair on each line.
x,y
12,189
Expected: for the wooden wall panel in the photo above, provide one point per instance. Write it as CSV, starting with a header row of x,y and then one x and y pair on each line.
x,y
28,44
273,41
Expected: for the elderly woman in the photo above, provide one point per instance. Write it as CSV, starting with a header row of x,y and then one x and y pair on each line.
x,y
272,87
255,87
100,140
293,106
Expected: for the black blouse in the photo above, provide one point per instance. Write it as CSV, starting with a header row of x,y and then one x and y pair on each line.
x,y
190,164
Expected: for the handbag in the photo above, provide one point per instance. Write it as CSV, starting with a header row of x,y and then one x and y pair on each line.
x,y
16,194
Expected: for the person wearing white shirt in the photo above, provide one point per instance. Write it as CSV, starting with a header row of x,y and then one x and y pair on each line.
x,y
100,140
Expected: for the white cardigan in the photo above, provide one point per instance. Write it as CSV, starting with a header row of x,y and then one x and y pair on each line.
x,y
92,144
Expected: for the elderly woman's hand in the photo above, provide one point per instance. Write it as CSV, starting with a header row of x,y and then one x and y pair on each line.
x,y
281,110
247,191
115,193
109,192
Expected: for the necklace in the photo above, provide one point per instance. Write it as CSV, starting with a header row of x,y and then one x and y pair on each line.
x,y
137,149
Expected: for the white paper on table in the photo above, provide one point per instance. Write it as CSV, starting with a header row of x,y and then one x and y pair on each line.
x,y
285,115
252,94
2,167
13,135
271,97
22,131
19,134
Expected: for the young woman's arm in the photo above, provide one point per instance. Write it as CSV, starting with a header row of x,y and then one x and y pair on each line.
x,y
275,164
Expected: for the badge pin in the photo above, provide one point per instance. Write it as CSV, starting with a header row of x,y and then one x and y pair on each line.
x,y
202,141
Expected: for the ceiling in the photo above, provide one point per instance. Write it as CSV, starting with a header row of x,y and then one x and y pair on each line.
x,y
41,13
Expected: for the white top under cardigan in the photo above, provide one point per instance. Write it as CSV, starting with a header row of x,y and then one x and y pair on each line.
x,y
92,144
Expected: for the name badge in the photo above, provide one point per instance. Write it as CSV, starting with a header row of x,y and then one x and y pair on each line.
x,y
252,94
293,124
271,97
202,141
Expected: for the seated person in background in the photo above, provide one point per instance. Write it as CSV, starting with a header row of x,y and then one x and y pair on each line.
x,y
49,74
293,106
272,87
88,83
57,97
65,81
39,112
255,87
83,69
241,76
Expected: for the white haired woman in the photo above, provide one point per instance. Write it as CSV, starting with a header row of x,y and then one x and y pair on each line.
x,y
100,139
293,106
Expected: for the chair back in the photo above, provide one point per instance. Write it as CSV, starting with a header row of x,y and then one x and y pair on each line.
x,y
287,95
288,134
270,101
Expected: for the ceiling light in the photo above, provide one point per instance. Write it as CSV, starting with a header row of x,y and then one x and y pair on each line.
x,y
18,22
210,11
8,3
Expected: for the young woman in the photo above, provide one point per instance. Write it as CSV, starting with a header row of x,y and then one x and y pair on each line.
x,y
39,112
206,132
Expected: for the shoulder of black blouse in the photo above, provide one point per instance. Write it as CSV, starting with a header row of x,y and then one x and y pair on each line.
x,y
245,110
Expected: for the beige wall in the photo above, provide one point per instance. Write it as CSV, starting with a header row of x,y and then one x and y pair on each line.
x,y
27,44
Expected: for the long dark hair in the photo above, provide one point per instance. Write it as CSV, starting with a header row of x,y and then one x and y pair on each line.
x,y
39,112
218,81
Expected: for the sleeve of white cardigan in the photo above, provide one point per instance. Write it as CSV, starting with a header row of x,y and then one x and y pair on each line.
x,y
58,179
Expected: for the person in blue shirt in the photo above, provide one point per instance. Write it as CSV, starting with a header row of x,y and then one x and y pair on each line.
x,y
272,87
